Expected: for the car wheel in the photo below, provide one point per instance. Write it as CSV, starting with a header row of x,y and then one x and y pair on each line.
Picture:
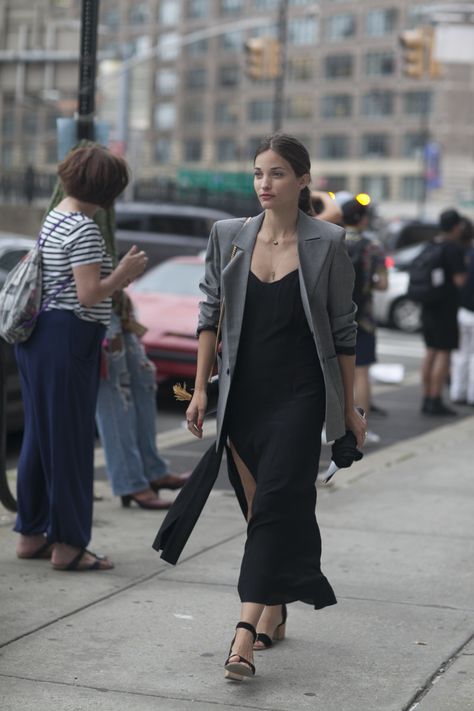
x,y
406,315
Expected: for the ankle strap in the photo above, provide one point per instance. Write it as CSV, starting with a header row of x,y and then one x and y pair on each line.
x,y
247,626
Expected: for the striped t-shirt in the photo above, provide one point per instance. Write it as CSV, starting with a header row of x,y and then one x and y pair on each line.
x,y
71,239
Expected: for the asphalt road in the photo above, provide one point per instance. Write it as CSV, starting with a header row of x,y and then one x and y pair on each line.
x,y
401,402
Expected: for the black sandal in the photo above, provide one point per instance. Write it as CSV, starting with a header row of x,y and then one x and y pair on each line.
x,y
237,670
73,565
278,634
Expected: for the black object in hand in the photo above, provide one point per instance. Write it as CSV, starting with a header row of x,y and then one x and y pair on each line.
x,y
345,452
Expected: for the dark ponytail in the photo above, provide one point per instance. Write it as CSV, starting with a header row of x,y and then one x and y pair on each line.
x,y
305,203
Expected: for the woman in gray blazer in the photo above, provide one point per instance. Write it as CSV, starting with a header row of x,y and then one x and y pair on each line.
x,y
286,367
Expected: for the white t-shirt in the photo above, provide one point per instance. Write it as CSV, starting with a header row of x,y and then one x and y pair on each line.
x,y
74,242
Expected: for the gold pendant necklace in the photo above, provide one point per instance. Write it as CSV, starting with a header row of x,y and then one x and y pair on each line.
x,y
275,242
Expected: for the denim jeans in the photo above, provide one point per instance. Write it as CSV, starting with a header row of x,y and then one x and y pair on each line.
x,y
126,416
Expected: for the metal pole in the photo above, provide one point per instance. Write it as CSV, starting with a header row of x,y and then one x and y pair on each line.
x,y
425,133
279,96
87,69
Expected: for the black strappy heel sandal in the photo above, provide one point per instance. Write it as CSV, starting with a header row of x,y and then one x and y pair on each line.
x,y
237,670
278,634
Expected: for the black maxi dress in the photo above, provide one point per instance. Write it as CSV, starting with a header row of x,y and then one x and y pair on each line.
x,y
274,419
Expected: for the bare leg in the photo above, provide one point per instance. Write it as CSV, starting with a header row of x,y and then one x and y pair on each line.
x,y
439,372
243,643
248,482
270,619
426,371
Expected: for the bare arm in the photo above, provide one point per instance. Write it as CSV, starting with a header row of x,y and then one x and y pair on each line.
x,y
460,279
205,362
91,289
354,421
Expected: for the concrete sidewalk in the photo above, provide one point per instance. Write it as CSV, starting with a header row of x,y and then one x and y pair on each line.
x,y
398,549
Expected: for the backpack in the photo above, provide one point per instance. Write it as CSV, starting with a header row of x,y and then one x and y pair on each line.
x,y
427,284
20,297
356,249
466,293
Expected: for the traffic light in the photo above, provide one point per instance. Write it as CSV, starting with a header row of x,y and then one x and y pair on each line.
x,y
263,59
413,46
434,67
255,50
273,58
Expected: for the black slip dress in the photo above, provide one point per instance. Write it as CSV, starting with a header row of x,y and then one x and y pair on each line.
x,y
274,419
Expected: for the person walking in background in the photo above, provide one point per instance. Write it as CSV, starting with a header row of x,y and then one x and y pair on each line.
x,y
59,365
439,320
126,415
462,360
368,259
288,341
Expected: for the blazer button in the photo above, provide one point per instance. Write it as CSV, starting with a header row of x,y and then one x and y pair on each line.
x,y
228,371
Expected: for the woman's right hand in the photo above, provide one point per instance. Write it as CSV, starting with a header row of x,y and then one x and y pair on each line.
x,y
195,412
133,264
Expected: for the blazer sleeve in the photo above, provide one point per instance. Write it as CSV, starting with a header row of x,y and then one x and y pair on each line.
x,y
341,308
209,308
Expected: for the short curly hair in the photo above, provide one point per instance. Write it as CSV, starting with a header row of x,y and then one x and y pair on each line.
x,y
93,174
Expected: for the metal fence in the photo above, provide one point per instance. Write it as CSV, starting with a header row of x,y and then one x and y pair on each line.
x,y
29,185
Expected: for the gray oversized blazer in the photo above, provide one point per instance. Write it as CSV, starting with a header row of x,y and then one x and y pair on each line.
x,y
326,280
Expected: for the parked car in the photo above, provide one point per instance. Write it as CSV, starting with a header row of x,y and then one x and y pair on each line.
x,y
400,233
166,300
393,307
12,249
163,230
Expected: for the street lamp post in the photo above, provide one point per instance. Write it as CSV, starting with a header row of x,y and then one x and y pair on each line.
x,y
87,69
279,97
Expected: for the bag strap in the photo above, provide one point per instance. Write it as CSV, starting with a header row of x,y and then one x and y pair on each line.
x,y
41,240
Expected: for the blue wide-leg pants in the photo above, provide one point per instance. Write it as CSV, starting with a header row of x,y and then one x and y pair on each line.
x,y
59,373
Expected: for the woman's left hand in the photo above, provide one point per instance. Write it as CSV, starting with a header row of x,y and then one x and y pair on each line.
x,y
357,423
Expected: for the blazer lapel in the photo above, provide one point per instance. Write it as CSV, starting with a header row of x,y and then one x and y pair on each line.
x,y
234,279
312,251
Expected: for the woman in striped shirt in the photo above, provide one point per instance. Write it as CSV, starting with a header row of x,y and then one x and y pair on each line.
x,y
59,365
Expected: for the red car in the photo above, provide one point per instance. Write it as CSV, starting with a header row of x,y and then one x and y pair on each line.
x,y
166,301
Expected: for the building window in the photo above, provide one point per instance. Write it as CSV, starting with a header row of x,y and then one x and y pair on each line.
x,y
197,48
196,78
169,46
300,69
412,188
8,124
337,106
169,13
231,41
138,13
339,27
415,16
226,112
334,183
30,123
192,150
111,17
163,150
334,147
418,103
7,156
302,31
379,64
197,9
413,144
229,76
252,145
166,82
381,22
231,7
165,116
377,186
339,66
299,108
375,145
377,104
227,150
193,113
260,110
265,4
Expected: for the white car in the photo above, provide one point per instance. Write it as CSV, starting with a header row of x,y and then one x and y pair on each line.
x,y
393,307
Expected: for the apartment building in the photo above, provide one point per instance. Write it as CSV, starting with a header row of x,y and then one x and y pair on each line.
x,y
186,105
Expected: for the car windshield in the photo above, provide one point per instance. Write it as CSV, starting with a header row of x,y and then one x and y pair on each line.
x,y
172,278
